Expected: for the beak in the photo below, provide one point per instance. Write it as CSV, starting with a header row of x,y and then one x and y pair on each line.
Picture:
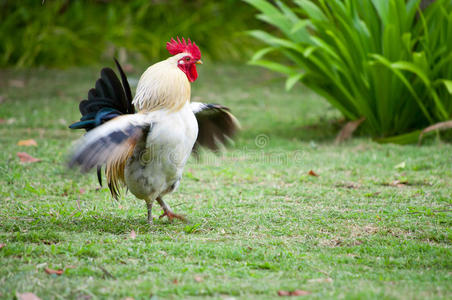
x,y
199,62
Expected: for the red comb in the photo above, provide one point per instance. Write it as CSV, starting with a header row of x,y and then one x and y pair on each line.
x,y
175,47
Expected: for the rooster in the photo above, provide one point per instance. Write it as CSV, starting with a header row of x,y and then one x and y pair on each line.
x,y
145,142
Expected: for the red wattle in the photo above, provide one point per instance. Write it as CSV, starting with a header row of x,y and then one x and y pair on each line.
x,y
192,73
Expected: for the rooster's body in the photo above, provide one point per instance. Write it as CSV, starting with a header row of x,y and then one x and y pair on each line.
x,y
148,150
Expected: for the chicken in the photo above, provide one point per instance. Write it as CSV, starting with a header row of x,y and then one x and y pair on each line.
x,y
146,151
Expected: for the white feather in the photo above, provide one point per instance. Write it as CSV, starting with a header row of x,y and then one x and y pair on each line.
x,y
163,85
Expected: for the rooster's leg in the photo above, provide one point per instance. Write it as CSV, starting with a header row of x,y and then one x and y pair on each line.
x,y
149,208
168,212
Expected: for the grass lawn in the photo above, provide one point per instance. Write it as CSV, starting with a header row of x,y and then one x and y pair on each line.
x,y
375,224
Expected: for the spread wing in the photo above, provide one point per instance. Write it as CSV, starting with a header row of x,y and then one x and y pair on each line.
x,y
109,142
216,125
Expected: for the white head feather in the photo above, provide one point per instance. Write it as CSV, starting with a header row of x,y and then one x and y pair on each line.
x,y
163,86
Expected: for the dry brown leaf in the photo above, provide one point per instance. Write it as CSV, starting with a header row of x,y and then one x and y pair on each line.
x,y
2,245
27,296
347,131
51,271
133,235
349,185
283,293
312,173
399,183
198,278
16,83
27,143
320,280
437,126
300,293
293,293
26,158
175,281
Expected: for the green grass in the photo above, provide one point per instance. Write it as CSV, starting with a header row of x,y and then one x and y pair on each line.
x,y
258,222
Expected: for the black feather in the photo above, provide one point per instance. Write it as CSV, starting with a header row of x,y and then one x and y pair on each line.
x,y
216,126
99,174
109,99
125,84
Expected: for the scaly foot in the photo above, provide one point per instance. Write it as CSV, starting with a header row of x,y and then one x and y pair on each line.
x,y
168,213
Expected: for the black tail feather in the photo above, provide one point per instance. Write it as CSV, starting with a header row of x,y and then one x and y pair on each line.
x,y
110,98
99,174
125,84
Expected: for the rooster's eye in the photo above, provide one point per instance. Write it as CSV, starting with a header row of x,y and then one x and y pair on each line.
x,y
187,59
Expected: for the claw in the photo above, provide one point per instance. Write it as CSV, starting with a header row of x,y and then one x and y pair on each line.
x,y
171,216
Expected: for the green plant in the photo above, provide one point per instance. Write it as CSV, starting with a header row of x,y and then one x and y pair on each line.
x,y
63,33
386,61
382,231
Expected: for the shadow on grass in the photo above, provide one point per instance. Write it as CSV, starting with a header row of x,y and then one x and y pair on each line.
x,y
43,229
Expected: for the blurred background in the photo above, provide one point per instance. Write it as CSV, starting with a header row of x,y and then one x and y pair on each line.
x,y
64,33
385,65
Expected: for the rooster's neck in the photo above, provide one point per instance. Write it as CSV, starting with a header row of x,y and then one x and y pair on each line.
x,y
162,86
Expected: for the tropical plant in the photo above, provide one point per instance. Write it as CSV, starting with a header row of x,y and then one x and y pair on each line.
x,y
62,33
386,61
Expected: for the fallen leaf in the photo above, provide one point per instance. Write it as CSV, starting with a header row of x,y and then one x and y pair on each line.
x,y
2,245
175,281
312,173
320,280
438,126
51,271
347,131
27,296
299,293
399,183
198,278
16,83
27,143
81,191
402,165
133,235
26,158
283,293
293,293
349,185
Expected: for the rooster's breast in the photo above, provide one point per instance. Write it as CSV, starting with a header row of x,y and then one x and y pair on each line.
x,y
156,165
